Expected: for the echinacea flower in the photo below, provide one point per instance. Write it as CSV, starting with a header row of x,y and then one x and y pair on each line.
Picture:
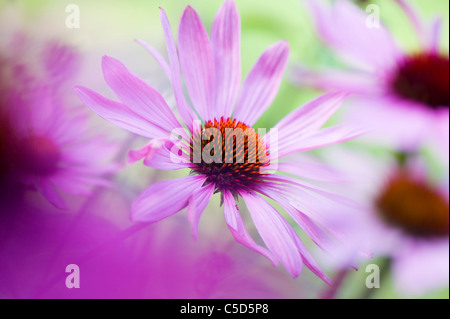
x,y
401,95
407,220
211,71
45,145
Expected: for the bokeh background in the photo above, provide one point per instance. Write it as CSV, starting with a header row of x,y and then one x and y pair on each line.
x,y
118,259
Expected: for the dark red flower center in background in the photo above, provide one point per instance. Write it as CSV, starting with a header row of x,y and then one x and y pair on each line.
x,y
38,155
234,157
423,78
414,207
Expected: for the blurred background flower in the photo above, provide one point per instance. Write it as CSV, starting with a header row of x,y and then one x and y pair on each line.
x,y
120,259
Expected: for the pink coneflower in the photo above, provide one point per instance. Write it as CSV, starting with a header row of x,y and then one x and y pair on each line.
x,y
212,73
44,144
407,219
402,95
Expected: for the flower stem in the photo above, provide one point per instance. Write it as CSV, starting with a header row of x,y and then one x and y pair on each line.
x,y
331,291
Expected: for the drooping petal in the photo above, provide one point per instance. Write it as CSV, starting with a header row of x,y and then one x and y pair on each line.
x,y
137,95
308,260
158,57
165,198
187,113
262,83
319,236
197,205
226,48
196,61
238,229
309,226
275,232
119,114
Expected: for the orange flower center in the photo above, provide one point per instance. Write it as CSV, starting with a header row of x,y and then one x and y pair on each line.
x,y
415,207
230,154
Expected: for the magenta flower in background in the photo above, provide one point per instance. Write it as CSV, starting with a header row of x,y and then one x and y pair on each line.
x,y
211,71
402,96
45,144
155,261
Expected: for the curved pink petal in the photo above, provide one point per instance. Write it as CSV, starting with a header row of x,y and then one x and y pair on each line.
x,y
187,113
136,94
348,30
309,226
157,154
275,232
296,188
262,83
331,80
308,260
308,118
197,205
415,19
226,48
119,114
165,198
196,62
238,229
435,35
158,57
325,137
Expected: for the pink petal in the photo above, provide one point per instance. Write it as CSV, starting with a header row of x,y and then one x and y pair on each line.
x,y
165,198
238,229
136,94
275,232
308,118
186,112
158,57
196,62
337,80
325,137
310,168
226,46
119,114
197,205
50,193
394,123
344,27
262,83
435,35
308,260
157,154
319,236
415,19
